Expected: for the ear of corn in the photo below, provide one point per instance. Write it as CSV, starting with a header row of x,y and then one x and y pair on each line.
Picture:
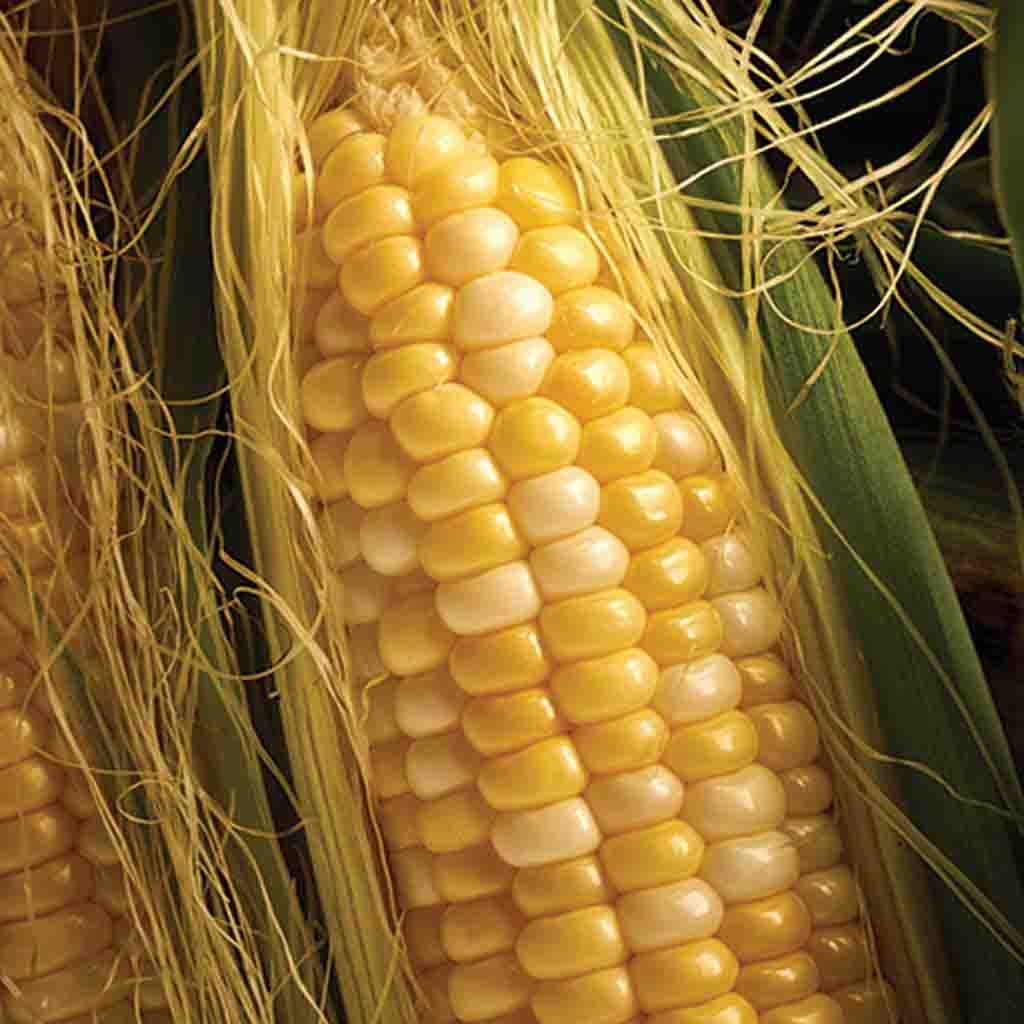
x,y
538,553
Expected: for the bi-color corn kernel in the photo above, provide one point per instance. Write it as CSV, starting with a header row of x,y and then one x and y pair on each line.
x,y
601,795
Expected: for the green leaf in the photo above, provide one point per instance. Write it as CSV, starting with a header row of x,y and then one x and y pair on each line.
x,y
1006,83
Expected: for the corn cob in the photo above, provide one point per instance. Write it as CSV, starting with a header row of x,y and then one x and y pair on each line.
x,y
69,951
601,795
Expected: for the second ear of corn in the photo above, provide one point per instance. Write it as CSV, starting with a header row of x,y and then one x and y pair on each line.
x,y
602,797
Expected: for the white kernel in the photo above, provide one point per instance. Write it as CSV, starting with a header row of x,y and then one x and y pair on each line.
x,y
592,559
633,800
557,832
731,564
365,594
684,447
339,330
556,504
389,537
501,307
741,803
669,915
470,244
438,765
428,704
510,371
499,598
751,867
695,690
751,621
413,873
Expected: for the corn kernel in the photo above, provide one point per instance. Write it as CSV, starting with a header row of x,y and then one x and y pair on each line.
x,y
454,822
442,421
536,194
34,838
493,600
39,946
592,625
541,774
397,820
438,765
312,264
22,730
623,744
470,543
709,505
715,746
511,659
560,257
766,928
470,244
669,915
422,930
672,573
730,1009
589,382
602,997
480,928
741,803
393,375
411,870
365,594
389,539
566,945
557,832
499,725
634,799
372,214
816,840
509,372
328,476
590,560
659,855
412,637
354,165
787,733
332,394
842,955
35,892
419,145
377,471
387,769
471,874
772,983
751,621
434,985
452,485
591,317
751,867
692,973
816,1009
29,785
555,505
382,271
428,704
864,1003
329,130
468,183
420,315
559,887
533,437
766,680
684,447
732,564
808,790
685,633
488,988
641,510
599,689
498,308
338,329
652,386
697,690
617,445
831,896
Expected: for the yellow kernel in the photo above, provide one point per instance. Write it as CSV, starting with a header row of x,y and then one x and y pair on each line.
x,y
772,983
471,874
787,733
534,436
831,896
22,732
570,944
592,625
463,185
328,477
729,1009
862,1003
556,888
411,870
422,314
434,986
313,267
601,997
480,928
603,688
454,822
329,130
670,574
501,724
381,271
618,445
487,988
372,214
535,194
766,680
682,634
34,892
422,930
817,842
664,853
35,837
419,145
692,973
842,955
459,482
715,746
562,258
412,638
623,744
338,329
387,769
354,165
397,820
447,419
589,382
29,785
591,317
377,471
653,388
541,774
510,659
641,510
40,946
393,375
808,790
766,928
819,1009
471,542
709,505
332,394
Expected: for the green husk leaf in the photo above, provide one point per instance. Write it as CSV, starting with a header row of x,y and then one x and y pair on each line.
x,y
1007,92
